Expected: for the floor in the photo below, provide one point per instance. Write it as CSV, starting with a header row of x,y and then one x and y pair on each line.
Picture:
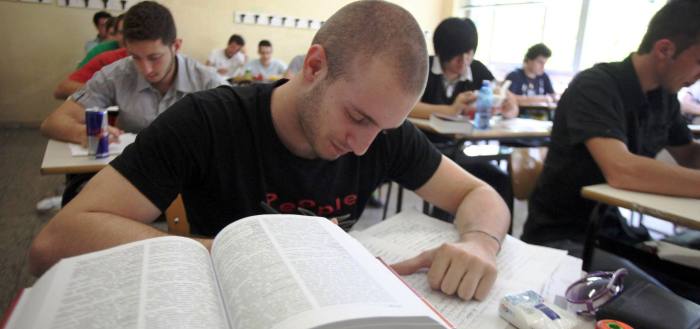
x,y
22,186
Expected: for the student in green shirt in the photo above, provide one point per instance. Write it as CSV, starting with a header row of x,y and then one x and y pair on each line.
x,y
114,40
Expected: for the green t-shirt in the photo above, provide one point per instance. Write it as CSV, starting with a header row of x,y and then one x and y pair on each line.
x,y
96,50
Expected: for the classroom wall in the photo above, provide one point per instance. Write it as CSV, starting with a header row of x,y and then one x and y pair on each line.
x,y
44,42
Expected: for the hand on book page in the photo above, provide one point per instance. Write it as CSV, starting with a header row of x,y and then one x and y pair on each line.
x,y
466,269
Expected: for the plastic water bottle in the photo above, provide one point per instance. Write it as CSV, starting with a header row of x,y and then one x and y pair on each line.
x,y
484,100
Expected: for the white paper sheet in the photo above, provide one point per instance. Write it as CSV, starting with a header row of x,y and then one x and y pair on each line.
x,y
114,148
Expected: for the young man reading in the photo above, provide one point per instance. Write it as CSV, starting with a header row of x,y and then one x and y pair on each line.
x,y
230,61
454,76
79,77
143,85
265,67
610,124
339,128
531,84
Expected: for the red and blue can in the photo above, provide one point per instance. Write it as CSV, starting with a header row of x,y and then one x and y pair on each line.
x,y
97,133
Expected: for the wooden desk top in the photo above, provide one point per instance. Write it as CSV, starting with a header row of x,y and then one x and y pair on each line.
x,y
500,129
695,129
538,105
682,211
58,160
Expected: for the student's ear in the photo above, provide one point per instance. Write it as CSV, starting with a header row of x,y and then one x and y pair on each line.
x,y
315,63
665,49
177,44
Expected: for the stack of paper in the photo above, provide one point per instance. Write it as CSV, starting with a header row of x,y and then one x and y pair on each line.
x,y
521,266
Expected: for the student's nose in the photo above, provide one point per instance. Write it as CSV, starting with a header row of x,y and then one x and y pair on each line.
x,y
360,141
146,68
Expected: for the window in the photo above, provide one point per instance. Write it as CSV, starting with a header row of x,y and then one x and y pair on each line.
x,y
579,32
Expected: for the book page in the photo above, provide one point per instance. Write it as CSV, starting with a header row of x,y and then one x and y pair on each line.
x,y
520,266
302,272
157,283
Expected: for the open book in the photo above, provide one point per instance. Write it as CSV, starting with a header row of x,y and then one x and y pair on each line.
x,y
270,271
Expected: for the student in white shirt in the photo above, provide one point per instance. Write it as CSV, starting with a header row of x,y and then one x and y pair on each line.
x,y
266,67
230,61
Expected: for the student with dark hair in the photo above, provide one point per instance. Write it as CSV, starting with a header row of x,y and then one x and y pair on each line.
x,y
143,85
100,21
79,77
612,121
114,40
266,67
230,61
323,140
530,83
453,78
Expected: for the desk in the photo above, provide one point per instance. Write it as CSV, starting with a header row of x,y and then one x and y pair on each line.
x,y
695,129
501,129
538,109
681,211
58,160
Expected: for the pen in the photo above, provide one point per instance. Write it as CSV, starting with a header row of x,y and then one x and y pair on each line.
x,y
267,208
306,212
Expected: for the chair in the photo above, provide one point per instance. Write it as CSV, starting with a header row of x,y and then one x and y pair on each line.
x,y
525,166
176,216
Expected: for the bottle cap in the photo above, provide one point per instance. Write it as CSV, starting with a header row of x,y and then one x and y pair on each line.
x,y
611,324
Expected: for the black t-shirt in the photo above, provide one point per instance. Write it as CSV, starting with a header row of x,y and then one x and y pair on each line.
x,y
220,150
435,92
521,84
604,101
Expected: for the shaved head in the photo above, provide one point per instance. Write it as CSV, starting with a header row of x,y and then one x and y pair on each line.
x,y
367,30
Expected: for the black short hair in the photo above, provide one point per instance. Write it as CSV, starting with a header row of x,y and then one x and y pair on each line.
x,y
678,21
453,37
113,23
264,43
237,39
538,50
149,20
100,15
394,37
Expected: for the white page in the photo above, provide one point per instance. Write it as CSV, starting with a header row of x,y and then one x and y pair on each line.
x,y
180,288
301,272
114,148
520,266
111,289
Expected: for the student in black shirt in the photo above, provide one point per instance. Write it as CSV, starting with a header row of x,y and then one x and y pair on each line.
x,y
453,76
610,124
323,141
531,83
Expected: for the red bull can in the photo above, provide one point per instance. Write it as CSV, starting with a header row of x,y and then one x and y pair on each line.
x,y
97,133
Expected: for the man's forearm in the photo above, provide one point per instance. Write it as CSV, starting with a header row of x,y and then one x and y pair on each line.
x,y
66,88
69,235
63,129
483,210
653,176
424,110
66,123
